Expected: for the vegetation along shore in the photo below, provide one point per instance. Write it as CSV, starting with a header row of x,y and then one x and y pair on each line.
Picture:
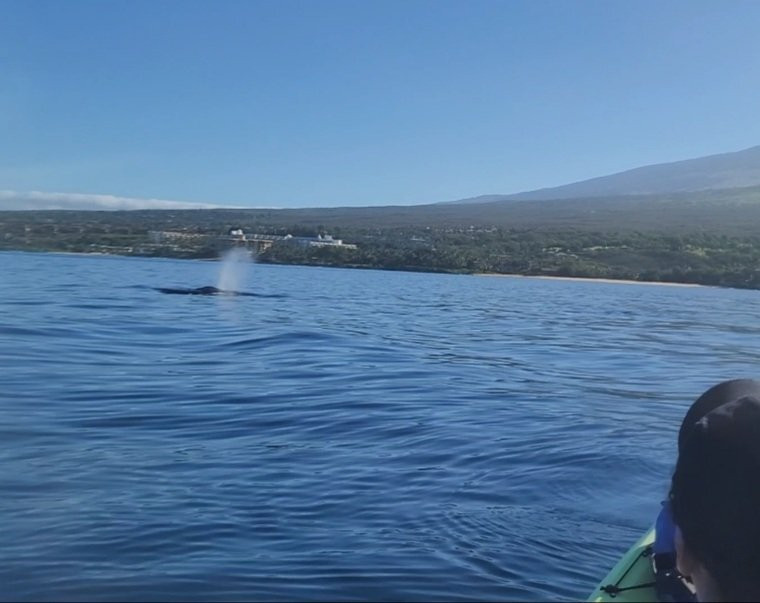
x,y
707,238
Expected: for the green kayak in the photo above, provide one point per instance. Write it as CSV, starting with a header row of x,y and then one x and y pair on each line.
x,y
632,578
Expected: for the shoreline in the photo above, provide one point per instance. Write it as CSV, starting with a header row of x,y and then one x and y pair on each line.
x,y
588,279
585,279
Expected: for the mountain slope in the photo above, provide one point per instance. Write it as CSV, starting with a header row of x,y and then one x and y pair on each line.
x,y
722,171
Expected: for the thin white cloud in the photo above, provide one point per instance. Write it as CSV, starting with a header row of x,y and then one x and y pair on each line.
x,y
17,200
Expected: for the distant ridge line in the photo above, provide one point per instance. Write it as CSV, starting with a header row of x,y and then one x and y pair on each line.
x,y
736,169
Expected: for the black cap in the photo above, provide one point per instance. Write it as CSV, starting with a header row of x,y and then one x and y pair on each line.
x,y
727,391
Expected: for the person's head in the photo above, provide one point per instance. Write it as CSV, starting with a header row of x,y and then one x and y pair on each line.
x,y
715,496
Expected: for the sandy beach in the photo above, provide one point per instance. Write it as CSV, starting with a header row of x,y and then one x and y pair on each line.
x,y
591,280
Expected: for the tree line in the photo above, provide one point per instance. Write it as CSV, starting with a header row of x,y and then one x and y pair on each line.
x,y
703,256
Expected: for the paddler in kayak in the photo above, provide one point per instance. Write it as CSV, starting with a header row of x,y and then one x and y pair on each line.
x,y
649,571
670,585
715,495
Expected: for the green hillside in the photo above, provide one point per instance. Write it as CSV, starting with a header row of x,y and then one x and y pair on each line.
x,y
710,237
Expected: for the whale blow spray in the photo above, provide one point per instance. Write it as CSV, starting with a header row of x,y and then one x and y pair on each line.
x,y
233,269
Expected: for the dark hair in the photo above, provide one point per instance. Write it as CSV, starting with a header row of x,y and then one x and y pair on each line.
x,y
715,496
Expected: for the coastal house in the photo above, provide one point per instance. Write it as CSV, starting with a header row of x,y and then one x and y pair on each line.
x,y
319,241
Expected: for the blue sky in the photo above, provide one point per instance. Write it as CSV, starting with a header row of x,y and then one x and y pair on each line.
x,y
327,103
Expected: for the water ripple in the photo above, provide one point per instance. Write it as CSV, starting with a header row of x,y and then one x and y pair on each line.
x,y
348,435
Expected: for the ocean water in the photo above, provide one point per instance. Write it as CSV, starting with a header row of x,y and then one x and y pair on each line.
x,y
346,435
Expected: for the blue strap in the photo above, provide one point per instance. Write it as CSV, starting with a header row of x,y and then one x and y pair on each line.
x,y
665,532
669,585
